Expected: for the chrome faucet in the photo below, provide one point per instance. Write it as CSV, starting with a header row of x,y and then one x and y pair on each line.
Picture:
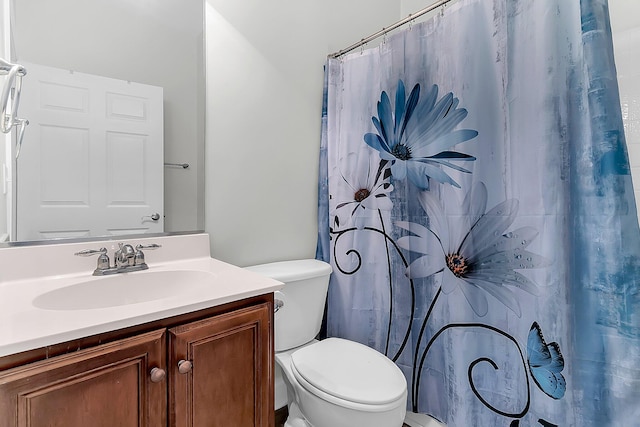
x,y
125,259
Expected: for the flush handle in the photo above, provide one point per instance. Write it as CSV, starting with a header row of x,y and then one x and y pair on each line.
x,y
184,366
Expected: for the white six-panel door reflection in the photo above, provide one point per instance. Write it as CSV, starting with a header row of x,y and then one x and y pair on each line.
x,y
91,163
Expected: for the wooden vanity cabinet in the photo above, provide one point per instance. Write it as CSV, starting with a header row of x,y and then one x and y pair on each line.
x,y
203,369
103,386
221,373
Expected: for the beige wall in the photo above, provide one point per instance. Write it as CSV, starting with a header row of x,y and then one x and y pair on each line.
x,y
264,96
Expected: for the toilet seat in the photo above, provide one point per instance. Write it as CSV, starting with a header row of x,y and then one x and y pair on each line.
x,y
349,374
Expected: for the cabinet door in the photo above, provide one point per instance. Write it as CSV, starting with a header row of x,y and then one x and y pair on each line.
x,y
104,386
227,379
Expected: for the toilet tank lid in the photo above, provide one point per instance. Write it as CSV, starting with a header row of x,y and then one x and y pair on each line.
x,y
290,271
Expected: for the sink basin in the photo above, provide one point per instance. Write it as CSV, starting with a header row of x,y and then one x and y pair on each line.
x,y
124,289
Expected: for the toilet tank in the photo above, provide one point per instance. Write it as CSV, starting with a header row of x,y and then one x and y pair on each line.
x,y
304,294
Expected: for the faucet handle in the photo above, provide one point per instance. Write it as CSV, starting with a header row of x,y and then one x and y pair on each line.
x,y
139,258
89,252
103,258
150,246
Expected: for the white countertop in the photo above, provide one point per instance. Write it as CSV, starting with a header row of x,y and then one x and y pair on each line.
x,y
24,326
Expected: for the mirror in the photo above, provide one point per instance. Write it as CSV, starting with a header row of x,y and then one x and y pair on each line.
x,y
152,42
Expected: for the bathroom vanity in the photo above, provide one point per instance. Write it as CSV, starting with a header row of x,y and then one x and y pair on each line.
x,y
202,356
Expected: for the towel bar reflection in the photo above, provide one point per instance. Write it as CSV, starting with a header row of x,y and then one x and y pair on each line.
x,y
182,165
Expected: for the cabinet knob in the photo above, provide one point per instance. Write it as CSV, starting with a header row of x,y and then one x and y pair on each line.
x,y
156,375
184,366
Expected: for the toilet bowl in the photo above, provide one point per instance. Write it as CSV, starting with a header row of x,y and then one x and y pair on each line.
x,y
333,382
340,383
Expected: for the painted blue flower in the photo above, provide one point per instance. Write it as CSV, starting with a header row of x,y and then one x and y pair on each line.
x,y
472,248
417,137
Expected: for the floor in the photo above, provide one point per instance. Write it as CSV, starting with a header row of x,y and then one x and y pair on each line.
x,y
281,417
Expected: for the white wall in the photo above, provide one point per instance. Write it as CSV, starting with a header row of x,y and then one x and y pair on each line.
x,y
625,24
264,96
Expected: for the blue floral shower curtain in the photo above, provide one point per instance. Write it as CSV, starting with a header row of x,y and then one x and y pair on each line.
x,y
476,206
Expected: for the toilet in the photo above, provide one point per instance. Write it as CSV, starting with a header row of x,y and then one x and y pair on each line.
x,y
332,382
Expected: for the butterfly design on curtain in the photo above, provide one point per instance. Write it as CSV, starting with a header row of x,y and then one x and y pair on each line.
x,y
545,363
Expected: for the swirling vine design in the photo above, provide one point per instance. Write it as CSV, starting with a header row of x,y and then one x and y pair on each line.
x,y
473,365
388,239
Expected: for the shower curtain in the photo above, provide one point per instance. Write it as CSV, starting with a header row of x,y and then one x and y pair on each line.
x,y
477,209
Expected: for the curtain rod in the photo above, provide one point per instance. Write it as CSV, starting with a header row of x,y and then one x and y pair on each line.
x,y
384,31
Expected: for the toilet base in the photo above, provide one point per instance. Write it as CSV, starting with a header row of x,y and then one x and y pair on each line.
x,y
296,419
